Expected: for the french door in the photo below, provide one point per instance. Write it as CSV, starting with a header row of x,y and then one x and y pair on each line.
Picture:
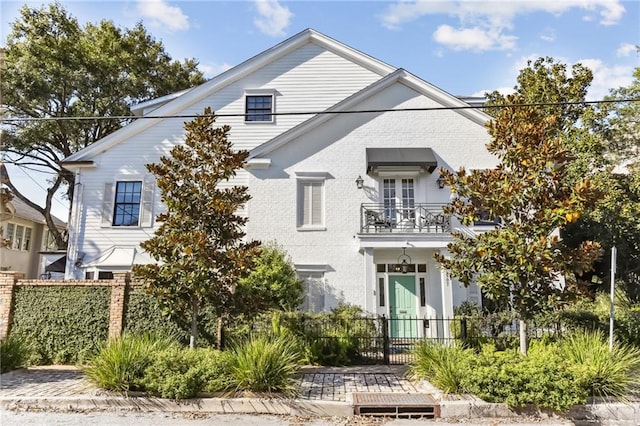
x,y
398,195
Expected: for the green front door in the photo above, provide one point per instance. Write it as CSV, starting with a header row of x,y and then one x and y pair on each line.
x,y
402,306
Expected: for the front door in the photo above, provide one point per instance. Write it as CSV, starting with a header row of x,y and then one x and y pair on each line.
x,y
402,306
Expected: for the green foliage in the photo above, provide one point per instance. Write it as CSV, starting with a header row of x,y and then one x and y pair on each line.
x,y
14,353
200,242
120,364
64,324
532,191
543,378
272,284
444,366
54,67
180,373
264,363
597,370
144,315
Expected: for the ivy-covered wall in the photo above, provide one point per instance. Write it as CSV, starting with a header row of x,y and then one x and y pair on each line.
x,y
143,315
64,324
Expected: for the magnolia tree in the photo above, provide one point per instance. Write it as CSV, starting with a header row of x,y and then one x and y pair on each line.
x,y
523,261
200,246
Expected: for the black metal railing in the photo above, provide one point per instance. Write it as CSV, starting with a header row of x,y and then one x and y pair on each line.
x,y
364,340
417,217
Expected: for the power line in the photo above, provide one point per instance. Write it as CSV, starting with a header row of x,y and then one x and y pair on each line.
x,y
324,112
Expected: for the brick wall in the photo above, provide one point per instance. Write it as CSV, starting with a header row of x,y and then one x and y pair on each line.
x,y
119,285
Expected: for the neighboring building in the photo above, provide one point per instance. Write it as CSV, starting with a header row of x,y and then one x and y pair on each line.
x,y
32,247
355,199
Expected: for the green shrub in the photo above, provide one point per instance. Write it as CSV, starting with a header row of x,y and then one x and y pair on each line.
x,y
264,363
64,324
179,373
598,371
543,378
14,353
120,364
145,315
331,351
444,366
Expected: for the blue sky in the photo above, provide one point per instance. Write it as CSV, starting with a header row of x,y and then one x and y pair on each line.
x,y
464,47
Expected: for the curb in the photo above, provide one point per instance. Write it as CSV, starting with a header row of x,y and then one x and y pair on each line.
x,y
458,409
275,406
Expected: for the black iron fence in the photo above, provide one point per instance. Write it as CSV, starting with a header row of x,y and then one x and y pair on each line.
x,y
362,340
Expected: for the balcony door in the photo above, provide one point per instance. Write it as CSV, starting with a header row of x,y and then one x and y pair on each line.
x,y
398,195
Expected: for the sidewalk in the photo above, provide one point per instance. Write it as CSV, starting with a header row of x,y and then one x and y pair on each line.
x,y
323,392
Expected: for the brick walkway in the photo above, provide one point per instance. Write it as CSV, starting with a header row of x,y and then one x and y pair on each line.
x,y
326,384
335,384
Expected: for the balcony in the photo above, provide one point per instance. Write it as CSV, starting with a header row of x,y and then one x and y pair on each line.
x,y
419,218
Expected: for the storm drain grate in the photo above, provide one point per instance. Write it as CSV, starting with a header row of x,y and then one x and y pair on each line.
x,y
408,405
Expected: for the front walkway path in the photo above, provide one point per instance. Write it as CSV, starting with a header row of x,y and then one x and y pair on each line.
x,y
336,383
316,383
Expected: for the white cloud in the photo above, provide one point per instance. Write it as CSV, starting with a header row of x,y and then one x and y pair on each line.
x,y
495,18
161,15
626,49
211,69
274,18
475,38
606,77
548,35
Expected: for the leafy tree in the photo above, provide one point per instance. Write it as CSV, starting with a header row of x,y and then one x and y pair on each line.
x,y
546,81
272,284
615,221
200,243
55,68
521,262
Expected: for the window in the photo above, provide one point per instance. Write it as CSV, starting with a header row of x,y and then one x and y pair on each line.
x,y
398,208
311,204
314,291
10,232
18,238
19,235
126,210
48,241
259,108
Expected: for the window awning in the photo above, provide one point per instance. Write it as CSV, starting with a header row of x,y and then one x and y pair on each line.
x,y
57,266
119,257
423,158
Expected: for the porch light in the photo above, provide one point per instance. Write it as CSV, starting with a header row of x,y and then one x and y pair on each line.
x,y
402,261
440,182
359,182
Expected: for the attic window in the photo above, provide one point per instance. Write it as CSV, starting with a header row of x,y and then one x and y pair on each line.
x,y
259,108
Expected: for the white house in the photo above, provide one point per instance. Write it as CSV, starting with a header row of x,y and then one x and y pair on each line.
x,y
354,198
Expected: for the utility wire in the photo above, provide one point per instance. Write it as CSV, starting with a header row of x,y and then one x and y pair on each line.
x,y
324,112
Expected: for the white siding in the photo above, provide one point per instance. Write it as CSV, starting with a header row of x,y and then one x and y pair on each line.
x,y
308,79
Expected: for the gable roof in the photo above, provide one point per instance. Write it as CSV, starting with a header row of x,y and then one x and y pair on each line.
x,y
399,76
184,100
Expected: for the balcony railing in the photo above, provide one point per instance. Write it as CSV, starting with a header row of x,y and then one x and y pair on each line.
x,y
422,218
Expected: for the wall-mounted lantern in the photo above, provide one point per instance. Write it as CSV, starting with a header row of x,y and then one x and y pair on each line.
x,y
359,182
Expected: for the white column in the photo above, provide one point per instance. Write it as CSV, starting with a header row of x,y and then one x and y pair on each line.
x,y
369,281
447,296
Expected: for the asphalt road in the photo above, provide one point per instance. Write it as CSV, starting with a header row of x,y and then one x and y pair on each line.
x,y
21,418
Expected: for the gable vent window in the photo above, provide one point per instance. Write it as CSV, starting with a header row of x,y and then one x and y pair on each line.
x,y
259,108
126,211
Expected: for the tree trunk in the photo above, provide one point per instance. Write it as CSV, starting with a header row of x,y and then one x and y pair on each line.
x,y
194,323
524,341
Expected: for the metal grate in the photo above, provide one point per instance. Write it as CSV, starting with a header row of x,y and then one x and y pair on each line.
x,y
406,405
